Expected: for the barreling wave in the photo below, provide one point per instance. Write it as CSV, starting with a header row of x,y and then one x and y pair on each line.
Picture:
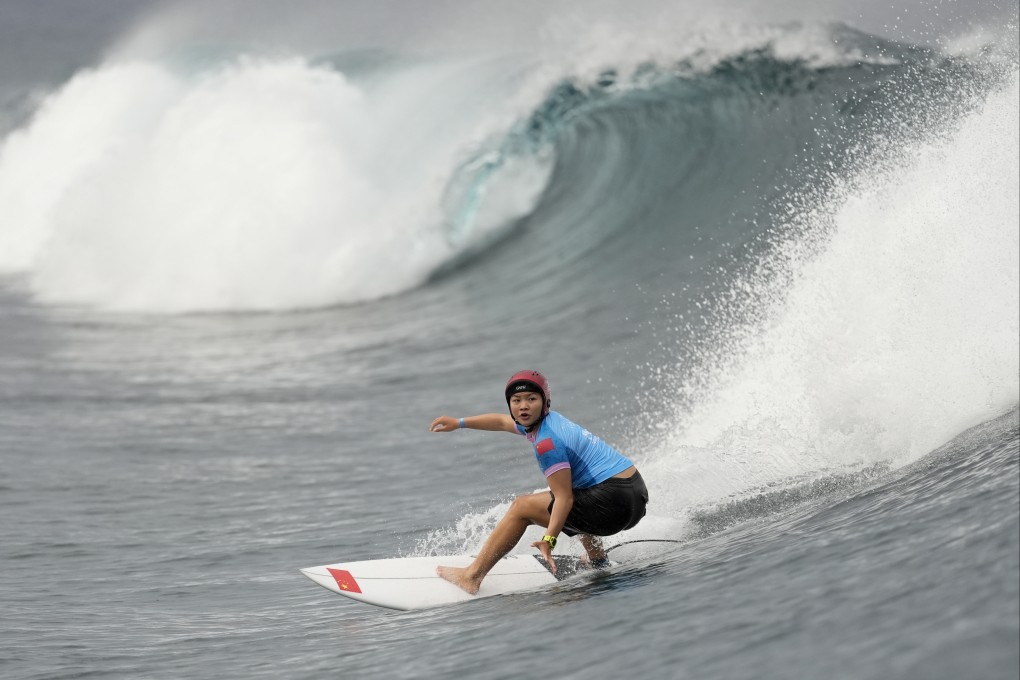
x,y
870,314
287,183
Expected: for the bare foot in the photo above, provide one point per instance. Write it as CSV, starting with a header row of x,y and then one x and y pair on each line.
x,y
458,577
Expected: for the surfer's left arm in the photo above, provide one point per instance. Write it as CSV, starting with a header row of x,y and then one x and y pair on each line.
x,y
561,485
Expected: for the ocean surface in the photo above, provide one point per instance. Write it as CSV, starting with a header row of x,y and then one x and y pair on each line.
x,y
777,264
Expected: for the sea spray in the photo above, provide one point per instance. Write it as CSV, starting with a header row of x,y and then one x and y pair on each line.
x,y
899,334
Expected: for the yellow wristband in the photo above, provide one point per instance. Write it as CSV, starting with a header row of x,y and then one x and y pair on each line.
x,y
551,540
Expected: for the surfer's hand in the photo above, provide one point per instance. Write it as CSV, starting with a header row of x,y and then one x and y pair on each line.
x,y
444,424
543,547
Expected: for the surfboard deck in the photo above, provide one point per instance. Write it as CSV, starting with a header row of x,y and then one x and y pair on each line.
x,y
408,583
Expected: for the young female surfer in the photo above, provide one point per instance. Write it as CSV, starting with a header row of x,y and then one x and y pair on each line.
x,y
594,490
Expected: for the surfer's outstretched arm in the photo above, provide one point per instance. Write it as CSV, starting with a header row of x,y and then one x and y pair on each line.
x,y
493,422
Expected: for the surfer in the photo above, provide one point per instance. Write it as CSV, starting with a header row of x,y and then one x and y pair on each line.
x,y
594,490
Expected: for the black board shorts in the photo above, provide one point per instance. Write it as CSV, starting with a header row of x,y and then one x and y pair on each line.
x,y
609,507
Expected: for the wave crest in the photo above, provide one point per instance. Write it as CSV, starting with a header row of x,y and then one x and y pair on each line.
x,y
263,184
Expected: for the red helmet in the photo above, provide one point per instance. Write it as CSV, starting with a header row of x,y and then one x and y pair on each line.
x,y
529,381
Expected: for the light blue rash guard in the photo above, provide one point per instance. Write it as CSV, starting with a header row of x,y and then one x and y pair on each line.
x,y
561,444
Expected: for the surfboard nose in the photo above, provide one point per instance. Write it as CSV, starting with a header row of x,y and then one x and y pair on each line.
x,y
322,577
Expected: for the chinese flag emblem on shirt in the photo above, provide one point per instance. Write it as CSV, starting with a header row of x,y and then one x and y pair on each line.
x,y
545,446
344,580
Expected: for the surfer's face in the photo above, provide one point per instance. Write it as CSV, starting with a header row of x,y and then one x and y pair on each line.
x,y
526,407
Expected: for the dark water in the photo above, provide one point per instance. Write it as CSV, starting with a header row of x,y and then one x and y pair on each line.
x,y
786,285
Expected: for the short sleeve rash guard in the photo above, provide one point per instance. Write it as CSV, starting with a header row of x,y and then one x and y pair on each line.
x,y
561,444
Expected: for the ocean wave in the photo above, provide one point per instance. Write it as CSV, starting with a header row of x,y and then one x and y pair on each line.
x,y
257,185
260,184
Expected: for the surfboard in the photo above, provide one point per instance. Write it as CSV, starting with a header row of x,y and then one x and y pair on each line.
x,y
408,583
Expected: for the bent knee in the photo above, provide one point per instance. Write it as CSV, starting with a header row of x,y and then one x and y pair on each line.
x,y
520,505
530,507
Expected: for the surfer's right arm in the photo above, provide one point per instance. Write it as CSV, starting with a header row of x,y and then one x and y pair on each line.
x,y
494,422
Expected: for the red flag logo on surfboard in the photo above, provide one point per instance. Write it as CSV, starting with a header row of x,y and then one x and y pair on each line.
x,y
344,580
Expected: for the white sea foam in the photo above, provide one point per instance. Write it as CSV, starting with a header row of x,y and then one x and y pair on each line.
x,y
263,184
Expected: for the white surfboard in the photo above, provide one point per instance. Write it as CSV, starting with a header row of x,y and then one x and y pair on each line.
x,y
412,583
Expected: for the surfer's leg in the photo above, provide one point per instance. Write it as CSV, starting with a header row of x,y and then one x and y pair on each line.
x,y
593,546
523,512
